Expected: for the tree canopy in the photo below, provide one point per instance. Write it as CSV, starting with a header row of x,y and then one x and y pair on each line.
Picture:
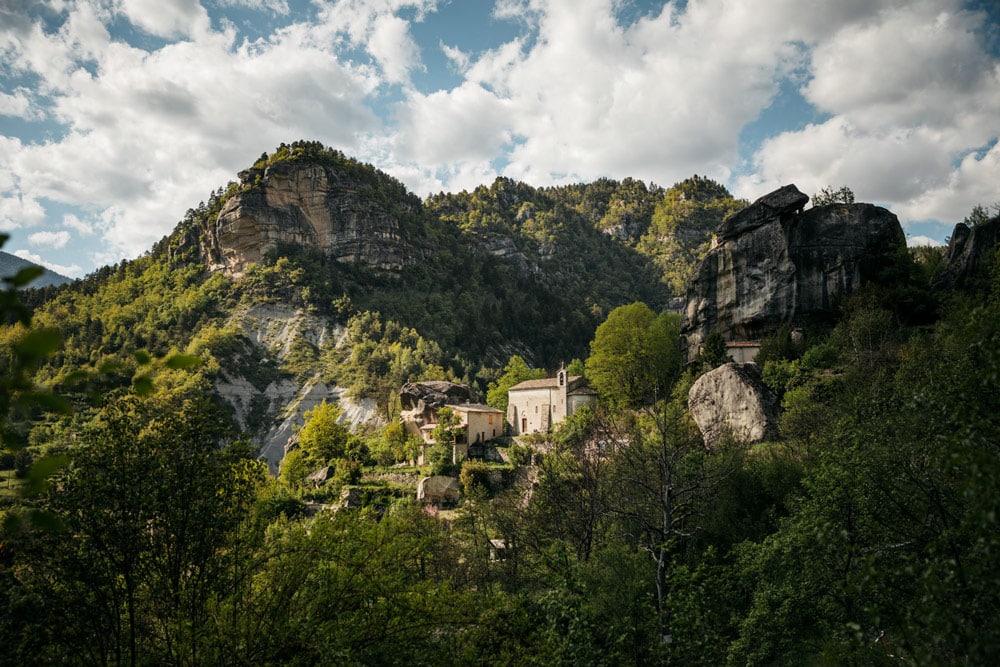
x,y
635,355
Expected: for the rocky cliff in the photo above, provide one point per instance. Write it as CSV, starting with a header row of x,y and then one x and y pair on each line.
x,y
272,409
966,250
308,204
775,264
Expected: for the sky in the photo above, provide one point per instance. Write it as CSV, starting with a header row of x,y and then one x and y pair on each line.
x,y
117,116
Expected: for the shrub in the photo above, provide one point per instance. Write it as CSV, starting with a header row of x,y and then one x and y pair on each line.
x,y
474,474
520,455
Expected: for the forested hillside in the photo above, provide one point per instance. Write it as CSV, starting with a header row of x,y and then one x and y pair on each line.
x,y
138,525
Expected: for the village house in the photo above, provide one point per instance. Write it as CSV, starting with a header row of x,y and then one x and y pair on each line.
x,y
478,424
535,406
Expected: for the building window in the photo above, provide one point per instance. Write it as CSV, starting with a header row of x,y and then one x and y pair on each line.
x,y
491,417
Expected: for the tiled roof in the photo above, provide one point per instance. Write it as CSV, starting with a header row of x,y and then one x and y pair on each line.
x,y
545,383
473,407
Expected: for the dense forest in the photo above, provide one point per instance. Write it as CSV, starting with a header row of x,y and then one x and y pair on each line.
x,y
138,526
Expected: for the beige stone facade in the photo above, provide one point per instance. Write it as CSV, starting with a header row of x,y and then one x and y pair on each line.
x,y
479,424
535,406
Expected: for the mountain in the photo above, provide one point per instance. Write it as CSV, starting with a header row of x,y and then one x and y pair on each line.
x,y
870,510
316,277
11,264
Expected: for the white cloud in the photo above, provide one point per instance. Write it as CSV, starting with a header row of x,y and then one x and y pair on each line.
x,y
20,211
167,18
78,225
393,48
591,97
911,91
915,241
276,6
917,65
465,123
973,182
891,165
70,271
456,56
376,26
51,239
17,105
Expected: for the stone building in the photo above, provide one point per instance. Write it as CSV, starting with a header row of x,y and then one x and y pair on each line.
x,y
478,424
535,406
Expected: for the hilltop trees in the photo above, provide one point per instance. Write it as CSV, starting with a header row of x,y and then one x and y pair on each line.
x,y
681,228
827,195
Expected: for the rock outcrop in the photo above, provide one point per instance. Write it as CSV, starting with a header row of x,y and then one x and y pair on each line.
x,y
273,408
306,204
420,401
775,264
966,250
438,490
732,399
434,394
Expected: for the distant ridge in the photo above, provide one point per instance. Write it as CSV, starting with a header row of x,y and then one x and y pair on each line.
x,y
11,264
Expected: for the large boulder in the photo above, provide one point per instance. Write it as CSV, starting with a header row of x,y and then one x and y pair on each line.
x,y
775,265
966,250
732,399
438,490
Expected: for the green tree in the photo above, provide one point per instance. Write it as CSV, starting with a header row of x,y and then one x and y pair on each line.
x,y
827,195
447,428
515,372
981,214
713,351
148,512
890,549
576,367
635,355
323,438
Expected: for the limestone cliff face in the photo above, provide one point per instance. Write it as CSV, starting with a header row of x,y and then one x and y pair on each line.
x,y
305,204
279,406
775,264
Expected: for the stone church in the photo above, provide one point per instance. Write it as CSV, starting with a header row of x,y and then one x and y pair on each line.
x,y
535,406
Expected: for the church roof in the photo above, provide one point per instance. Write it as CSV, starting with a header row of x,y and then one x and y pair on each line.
x,y
545,383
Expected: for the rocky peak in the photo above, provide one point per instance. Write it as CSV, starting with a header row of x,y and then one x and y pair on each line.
x,y
783,204
310,204
776,264
966,250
